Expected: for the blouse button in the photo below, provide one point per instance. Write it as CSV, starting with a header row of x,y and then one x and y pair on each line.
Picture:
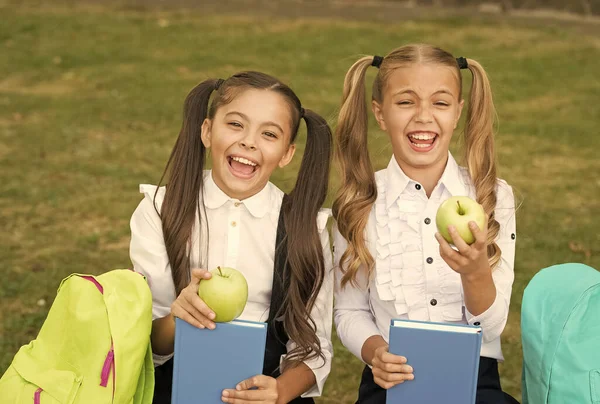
x,y
513,236
418,186
233,224
427,220
429,260
433,302
236,204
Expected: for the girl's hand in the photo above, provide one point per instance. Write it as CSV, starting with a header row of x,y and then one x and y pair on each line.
x,y
469,259
389,369
265,391
189,307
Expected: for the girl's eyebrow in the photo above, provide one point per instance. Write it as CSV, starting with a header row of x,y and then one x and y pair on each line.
x,y
245,117
443,91
411,91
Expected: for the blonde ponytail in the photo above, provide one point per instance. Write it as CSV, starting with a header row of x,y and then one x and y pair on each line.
x,y
480,152
358,191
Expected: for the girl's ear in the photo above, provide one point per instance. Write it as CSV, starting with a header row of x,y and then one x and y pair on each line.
x,y
376,107
461,104
288,155
205,132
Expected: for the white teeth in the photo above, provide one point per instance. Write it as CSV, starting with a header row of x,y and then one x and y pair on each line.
x,y
422,136
421,146
244,161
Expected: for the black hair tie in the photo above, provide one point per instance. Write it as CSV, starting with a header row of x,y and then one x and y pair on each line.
x,y
462,63
301,112
218,84
377,61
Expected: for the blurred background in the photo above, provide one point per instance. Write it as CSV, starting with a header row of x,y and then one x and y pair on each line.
x,y
91,94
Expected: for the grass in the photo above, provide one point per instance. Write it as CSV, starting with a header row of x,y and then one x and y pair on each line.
x,y
90,105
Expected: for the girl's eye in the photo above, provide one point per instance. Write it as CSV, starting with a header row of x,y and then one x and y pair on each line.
x,y
404,102
441,104
235,124
271,134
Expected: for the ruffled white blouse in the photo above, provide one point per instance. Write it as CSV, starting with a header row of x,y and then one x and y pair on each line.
x,y
411,280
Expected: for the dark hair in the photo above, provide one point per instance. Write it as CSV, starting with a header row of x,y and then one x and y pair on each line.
x,y
183,199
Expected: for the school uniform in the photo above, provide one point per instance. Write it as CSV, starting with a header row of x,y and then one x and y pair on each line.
x,y
241,235
411,280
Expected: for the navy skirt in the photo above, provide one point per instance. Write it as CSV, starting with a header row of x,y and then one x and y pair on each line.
x,y
488,386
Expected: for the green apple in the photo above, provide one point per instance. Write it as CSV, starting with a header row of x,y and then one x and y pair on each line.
x,y
458,211
226,293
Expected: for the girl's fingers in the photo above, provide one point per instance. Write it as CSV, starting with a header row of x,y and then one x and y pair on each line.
x,y
259,381
448,254
181,313
266,391
201,307
389,384
390,358
396,368
196,314
457,240
480,236
392,377
243,396
199,275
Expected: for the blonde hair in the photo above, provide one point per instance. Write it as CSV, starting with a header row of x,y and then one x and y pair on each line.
x,y
358,190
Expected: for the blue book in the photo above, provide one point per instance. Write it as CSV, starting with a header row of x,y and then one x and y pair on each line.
x,y
444,358
208,361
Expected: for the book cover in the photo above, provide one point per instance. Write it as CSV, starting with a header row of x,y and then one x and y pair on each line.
x,y
445,361
208,361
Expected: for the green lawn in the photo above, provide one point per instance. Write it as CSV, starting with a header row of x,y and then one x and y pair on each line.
x,y
90,106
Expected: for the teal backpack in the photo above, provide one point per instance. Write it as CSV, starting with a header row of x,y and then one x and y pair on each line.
x,y
94,347
560,330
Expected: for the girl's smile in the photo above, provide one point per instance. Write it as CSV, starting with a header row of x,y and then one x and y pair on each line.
x,y
242,167
421,141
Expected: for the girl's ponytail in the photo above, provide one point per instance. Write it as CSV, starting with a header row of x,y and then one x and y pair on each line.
x,y
305,253
184,171
358,191
480,153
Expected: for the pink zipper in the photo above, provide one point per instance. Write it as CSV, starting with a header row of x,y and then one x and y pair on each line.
x,y
109,361
36,396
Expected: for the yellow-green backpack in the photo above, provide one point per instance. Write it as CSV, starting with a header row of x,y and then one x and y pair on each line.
x,y
93,348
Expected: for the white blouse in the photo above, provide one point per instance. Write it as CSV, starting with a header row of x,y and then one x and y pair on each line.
x,y
241,235
411,280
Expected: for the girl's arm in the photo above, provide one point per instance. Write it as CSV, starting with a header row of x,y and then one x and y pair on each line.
x,y
354,321
189,307
357,329
293,382
265,389
149,257
370,346
162,336
487,292
494,318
